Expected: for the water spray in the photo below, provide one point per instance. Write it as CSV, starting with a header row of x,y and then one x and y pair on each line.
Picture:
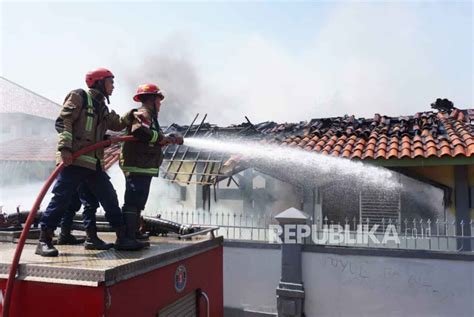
x,y
299,166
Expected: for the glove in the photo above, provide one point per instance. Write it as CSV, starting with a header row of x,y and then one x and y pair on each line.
x,y
66,157
172,139
140,116
178,139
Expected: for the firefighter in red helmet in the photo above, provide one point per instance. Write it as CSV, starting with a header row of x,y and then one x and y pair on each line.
x,y
140,161
83,121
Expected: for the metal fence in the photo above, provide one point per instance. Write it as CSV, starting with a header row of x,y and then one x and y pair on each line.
x,y
231,226
421,234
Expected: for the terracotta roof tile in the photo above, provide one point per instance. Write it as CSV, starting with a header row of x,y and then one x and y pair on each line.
x,y
394,139
337,148
357,154
372,141
440,133
418,152
443,143
392,153
431,152
348,147
368,154
470,150
327,148
445,151
459,150
430,144
359,146
456,141
370,147
380,153
405,153
320,143
429,138
445,133
393,146
417,145
346,154
406,145
382,146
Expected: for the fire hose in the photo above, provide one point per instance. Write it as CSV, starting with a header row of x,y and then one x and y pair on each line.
x,y
34,209
152,225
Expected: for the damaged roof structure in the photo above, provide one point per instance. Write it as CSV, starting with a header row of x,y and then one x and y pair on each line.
x,y
431,137
425,138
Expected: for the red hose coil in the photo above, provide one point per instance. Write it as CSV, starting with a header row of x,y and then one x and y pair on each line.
x,y
34,209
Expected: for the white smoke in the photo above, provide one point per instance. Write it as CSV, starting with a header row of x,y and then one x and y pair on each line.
x,y
22,195
367,58
163,195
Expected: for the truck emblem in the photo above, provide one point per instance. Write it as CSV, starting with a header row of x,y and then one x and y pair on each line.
x,y
180,278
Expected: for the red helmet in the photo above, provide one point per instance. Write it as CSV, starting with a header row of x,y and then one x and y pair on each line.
x,y
97,74
148,89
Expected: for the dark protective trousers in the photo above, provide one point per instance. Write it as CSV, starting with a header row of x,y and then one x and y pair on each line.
x,y
66,186
83,196
137,188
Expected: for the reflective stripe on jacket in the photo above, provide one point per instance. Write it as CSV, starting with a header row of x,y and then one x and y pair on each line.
x,y
143,157
84,120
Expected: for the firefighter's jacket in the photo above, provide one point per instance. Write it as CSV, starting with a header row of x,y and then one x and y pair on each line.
x,y
83,121
143,157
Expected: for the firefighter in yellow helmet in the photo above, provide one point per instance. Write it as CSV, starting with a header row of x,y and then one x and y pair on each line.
x,y
140,161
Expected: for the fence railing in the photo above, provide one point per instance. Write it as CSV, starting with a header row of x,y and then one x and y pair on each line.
x,y
231,226
416,233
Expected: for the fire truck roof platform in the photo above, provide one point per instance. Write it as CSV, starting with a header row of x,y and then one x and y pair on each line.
x,y
77,266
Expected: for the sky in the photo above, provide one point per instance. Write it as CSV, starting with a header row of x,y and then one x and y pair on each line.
x,y
268,60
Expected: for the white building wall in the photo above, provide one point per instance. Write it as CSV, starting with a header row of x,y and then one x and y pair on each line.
x,y
383,286
352,285
251,277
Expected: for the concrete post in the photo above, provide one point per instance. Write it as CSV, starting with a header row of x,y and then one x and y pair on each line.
x,y
461,197
290,290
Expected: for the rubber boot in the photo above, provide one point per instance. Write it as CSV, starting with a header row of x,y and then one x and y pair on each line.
x,y
130,219
141,236
124,242
45,245
93,242
66,238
